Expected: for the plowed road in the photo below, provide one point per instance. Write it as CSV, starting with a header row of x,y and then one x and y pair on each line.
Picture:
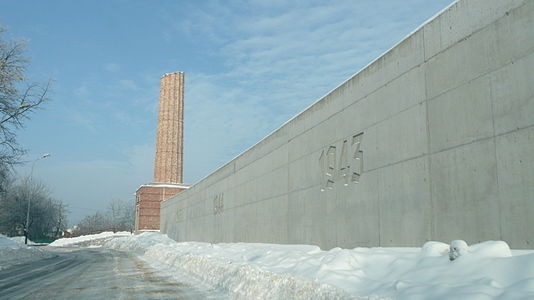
x,y
91,273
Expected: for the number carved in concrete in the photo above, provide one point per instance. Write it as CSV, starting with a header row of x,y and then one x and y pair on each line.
x,y
350,166
218,204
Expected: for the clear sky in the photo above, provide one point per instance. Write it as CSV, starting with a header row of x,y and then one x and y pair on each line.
x,y
249,65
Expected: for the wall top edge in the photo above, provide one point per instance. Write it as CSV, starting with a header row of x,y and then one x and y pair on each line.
x,y
409,35
165,185
413,32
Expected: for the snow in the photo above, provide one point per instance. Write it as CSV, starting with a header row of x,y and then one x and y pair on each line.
x,y
489,270
85,240
13,251
20,239
458,248
11,243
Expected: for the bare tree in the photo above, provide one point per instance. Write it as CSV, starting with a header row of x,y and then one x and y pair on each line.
x,y
18,97
60,217
94,222
118,214
121,213
47,216
5,179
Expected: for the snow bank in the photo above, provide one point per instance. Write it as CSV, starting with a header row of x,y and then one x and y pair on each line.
x,y
214,268
88,240
268,271
21,239
13,251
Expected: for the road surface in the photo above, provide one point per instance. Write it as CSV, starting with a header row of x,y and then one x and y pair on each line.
x,y
92,273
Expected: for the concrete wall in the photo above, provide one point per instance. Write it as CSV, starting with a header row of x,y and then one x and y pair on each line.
x,y
447,150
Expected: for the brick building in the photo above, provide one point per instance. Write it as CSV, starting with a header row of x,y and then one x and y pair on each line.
x,y
168,167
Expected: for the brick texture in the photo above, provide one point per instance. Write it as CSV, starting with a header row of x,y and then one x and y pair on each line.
x,y
169,154
169,143
148,199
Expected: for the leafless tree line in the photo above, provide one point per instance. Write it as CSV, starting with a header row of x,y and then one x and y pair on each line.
x,y
47,216
118,214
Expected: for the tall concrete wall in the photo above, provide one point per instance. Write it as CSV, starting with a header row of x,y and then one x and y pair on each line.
x,y
441,128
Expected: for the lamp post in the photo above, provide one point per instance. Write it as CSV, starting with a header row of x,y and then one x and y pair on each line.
x,y
30,198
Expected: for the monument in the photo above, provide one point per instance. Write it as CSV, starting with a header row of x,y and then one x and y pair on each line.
x,y
168,167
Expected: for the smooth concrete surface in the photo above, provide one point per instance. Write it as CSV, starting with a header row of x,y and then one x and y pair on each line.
x,y
446,149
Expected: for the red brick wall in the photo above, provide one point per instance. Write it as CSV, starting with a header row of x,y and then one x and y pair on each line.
x,y
148,204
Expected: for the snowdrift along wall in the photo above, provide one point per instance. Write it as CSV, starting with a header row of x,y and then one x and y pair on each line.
x,y
432,141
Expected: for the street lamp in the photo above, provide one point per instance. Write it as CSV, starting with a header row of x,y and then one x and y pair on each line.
x,y
30,198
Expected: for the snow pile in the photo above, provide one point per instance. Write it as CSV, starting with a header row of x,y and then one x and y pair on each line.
x,y
13,252
21,239
89,240
10,243
214,268
487,270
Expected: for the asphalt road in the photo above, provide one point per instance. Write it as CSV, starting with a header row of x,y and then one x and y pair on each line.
x,y
91,273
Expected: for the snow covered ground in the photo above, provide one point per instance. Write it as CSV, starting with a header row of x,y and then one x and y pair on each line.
x,y
13,251
488,270
20,239
89,240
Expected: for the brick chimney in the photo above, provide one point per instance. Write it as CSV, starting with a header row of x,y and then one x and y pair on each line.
x,y
169,143
168,166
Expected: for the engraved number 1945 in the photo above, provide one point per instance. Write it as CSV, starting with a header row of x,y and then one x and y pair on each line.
x,y
350,166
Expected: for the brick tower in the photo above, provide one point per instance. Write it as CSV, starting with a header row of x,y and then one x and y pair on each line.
x,y
168,167
169,144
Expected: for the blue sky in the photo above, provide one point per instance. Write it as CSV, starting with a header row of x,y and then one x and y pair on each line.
x,y
250,66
